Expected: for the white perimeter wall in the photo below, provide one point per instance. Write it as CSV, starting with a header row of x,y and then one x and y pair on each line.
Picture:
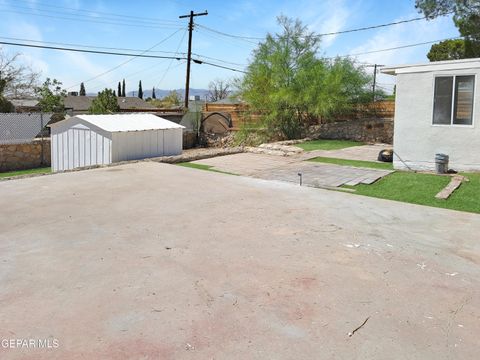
x,y
416,140
78,145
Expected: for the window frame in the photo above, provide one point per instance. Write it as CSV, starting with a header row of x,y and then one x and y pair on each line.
x,y
452,111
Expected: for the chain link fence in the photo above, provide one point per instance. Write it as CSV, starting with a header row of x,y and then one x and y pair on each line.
x,y
23,127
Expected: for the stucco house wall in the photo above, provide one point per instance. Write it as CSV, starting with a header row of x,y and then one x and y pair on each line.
x,y
417,140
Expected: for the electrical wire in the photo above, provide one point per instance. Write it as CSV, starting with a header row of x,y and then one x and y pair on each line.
x,y
77,19
93,13
89,46
171,61
127,61
393,48
329,33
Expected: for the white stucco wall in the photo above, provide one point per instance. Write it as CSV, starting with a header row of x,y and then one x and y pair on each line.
x,y
417,140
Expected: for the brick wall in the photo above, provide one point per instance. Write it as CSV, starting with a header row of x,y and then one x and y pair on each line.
x,y
366,130
24,155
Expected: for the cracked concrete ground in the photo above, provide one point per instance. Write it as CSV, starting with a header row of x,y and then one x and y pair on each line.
x,y
154,261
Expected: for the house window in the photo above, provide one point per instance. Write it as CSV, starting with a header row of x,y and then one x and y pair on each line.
x,y
453,100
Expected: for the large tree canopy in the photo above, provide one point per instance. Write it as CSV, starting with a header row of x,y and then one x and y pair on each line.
x,y
447,50
105,103
290,85
466,15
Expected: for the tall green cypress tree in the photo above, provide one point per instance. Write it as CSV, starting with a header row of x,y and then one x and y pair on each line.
x,y
123,88
140,90
119,89
153,93
82,89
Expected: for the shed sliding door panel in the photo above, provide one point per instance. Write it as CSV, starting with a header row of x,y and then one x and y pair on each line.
x,y
54,153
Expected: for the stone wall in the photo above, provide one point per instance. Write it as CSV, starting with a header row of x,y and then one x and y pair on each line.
x,y
24,155
366,130
189,139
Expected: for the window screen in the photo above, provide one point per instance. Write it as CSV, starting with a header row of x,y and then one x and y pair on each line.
x,y
442,108
464,88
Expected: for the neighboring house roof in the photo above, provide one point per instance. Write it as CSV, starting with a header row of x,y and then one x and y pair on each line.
x,y
433,66
24,102
126,122
83,103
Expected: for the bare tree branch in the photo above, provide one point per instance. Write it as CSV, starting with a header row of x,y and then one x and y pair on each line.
x,y
18,80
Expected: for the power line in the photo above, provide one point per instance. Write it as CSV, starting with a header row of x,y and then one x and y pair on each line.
x,y
127,61
91,51
114,53
92,21
171,61
89,46
329,33
94,12
393,48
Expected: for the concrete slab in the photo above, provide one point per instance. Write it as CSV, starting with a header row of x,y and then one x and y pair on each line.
x,y
314,174
363,153
154,261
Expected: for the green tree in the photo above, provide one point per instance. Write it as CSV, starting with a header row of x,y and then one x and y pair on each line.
x,y
153,93
82,90
105,103
172,99
140,90
123,88
119,90
447,50
290,86
466,16
51,96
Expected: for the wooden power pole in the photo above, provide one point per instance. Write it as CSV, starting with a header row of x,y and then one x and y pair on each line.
x,y
189,55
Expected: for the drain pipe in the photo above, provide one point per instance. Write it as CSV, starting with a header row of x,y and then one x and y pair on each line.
x,y
403,162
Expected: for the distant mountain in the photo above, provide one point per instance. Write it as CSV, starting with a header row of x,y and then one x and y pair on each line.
x,y
162,93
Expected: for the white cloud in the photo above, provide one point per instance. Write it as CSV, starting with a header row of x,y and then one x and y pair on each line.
x,y
404,34
30,56
335,15
400,35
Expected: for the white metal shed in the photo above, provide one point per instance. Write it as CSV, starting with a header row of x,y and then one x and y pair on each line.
x,y
86,140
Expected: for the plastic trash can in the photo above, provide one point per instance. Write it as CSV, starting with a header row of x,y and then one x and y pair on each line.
x,y
441,163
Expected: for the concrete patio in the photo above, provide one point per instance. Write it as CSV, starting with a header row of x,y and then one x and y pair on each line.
x,y
283,168
154,261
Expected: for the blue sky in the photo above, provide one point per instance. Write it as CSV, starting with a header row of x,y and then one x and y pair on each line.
x,y
94,23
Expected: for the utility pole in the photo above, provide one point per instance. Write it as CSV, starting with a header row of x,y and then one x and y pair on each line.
x,y
189,56
374,87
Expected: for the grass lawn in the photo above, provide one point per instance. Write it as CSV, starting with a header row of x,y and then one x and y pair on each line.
x,y
203,167
328,144
355,163
43,170
421,189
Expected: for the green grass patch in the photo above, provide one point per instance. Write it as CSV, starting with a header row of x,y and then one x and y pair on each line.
x,y
355,163
203,167
328,144
421,189
44,170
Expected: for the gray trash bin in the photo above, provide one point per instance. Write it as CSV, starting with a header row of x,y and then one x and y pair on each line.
x,y
441,163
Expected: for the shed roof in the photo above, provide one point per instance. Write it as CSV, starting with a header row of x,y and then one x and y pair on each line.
x,y
127,122
433,66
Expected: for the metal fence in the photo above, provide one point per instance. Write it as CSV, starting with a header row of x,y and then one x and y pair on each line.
x,y
23,127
